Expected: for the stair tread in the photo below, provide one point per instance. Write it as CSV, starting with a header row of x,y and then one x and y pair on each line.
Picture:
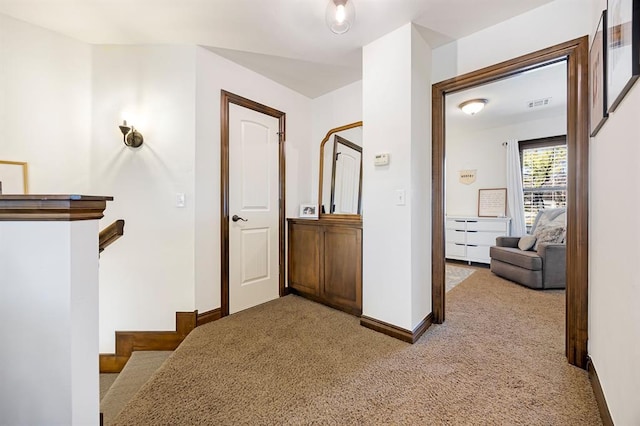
x,y
135,373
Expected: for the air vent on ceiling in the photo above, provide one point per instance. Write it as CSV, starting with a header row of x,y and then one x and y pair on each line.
x,y
538,103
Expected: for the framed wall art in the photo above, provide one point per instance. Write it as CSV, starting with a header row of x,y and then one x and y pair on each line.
x,y
598,76
14,177
492,202
623,49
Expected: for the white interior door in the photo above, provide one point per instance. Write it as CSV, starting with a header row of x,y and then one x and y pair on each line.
x,y
253,196
347,181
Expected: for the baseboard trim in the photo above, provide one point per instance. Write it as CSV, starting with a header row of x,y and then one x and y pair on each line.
x,y
398,332
605,415
209,316
129,341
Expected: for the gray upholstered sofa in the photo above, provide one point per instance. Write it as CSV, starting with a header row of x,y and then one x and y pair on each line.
x,y
542,266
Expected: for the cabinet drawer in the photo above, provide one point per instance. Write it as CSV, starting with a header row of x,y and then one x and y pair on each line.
x,y
478,254
480,238
455,224
457,250
481,225
455,236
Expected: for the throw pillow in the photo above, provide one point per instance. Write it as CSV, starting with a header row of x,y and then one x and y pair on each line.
x,y
526,242
548,217
548,234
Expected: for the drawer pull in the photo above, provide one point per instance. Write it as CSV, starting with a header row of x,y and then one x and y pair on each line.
x,y
459,244
472,245
472,221
472,231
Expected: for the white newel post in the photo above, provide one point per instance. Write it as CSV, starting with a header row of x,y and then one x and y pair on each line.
x,y
49,371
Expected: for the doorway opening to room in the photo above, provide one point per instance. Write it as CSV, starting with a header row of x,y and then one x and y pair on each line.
x,y
574,55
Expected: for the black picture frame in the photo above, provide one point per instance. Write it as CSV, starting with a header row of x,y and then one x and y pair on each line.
x,y
598,77
623,49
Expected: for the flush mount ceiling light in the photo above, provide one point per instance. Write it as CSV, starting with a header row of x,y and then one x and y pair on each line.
x,y
340,15
473,106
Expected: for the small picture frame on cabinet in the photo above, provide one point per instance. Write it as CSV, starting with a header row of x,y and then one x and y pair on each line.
x,y
309,210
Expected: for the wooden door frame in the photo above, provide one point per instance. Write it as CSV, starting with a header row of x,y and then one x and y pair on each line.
x,y
227,98
576,52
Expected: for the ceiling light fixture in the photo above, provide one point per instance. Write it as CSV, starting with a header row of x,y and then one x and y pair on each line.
x,y
473,106
340,15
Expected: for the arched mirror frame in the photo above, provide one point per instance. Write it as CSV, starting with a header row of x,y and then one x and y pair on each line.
x,y
321,174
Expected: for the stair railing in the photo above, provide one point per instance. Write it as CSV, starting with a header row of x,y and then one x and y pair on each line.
x,y
110,234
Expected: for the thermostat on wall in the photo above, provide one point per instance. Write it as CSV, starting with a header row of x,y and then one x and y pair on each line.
x,y
381,159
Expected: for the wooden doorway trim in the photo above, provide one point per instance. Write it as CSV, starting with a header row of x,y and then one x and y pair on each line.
x,y
227,98
575,52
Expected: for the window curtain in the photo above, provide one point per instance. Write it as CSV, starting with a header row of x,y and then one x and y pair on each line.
x,y
515,195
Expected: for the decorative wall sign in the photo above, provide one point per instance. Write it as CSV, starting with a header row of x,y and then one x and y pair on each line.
x,y
598,71
623,49
467,176
13,177
492,202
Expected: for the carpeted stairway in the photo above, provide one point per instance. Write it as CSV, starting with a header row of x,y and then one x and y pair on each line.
x,y
498,359
120,388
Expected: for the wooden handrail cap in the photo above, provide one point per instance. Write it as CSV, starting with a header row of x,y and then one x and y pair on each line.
x,y
52,207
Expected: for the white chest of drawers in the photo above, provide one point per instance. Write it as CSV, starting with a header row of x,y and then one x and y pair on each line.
x,y
469,238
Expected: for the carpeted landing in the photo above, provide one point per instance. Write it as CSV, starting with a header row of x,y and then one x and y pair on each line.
x,y
498,359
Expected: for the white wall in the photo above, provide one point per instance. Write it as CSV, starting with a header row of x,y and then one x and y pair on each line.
x,y
213,74
45,106
420,194
482,150
148,274
614,286
547,25
395,76
48,323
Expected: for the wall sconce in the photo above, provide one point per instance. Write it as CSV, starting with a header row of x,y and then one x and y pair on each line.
x,y
130,136
340,15
473,106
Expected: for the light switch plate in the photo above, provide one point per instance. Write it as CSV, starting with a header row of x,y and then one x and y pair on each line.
x,y
400,197
180,199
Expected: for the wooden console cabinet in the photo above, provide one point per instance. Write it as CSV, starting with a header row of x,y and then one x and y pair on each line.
x,y
325,262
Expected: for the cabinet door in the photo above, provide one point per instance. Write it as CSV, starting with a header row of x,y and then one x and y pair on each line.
x,y
342,285
304,258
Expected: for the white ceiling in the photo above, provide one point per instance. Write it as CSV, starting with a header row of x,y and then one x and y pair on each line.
x,y
285,40
508,100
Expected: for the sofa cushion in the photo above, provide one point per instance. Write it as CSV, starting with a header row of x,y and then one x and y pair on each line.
x,y
548,234
514,256
526,242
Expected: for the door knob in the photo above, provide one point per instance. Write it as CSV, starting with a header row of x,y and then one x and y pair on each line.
x,y
236,218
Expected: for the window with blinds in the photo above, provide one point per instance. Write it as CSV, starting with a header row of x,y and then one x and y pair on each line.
x,y
544,175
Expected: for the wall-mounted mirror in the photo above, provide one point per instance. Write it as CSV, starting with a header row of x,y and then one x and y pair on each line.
x,y
340,191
